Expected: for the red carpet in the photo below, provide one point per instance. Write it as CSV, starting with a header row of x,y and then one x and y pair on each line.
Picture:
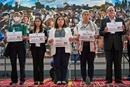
x,y
98,82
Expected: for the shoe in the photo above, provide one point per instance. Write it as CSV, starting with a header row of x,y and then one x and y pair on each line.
x,y
87,80
35,83
118,81
63,82
21,82
13,83
108,81
41,82
58,82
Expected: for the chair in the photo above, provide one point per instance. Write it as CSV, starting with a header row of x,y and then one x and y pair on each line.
x,y
74,58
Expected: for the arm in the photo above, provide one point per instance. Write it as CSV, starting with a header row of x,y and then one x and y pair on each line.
x,y
70,34
46,37
127,37
50,38
102,27
10,28
96,36
24,31
124,28
76,35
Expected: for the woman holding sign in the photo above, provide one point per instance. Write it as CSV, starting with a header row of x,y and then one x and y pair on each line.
x,y
38,39
85,35
60,39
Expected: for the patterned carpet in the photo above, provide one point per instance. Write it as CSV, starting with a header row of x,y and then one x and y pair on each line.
x,y
98,82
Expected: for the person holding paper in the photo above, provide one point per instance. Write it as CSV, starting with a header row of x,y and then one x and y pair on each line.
x,y
60,52
113,45
86,45
38,50
17,49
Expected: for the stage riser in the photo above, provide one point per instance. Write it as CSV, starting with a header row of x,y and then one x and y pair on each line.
x,y
99,67
99,63
97,73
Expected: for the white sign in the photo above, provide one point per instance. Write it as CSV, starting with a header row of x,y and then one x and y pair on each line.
x,y
14,36
61,42
87,35
36,38
114,27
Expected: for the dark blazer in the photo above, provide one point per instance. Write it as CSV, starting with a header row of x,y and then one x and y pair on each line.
x,y
110,39
42,45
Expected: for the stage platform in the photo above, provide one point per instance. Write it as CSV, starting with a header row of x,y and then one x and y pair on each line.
x,y
97,82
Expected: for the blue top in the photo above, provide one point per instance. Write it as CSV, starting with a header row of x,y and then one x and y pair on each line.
x,y
1,36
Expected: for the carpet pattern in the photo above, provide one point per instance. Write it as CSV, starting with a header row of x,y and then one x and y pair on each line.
x,y
97,82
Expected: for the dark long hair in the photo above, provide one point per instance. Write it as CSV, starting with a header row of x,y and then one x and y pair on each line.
x,y
41,27
56,25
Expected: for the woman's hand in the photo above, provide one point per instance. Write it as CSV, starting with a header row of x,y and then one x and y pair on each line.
x,y
45,37
71,39
77,37
123,28
25,37
96,36
51,41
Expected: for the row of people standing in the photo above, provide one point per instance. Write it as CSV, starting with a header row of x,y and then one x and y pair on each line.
x,y
112,44
113,47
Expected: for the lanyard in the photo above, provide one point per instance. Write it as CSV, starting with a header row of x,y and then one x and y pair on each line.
x,y
84,27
